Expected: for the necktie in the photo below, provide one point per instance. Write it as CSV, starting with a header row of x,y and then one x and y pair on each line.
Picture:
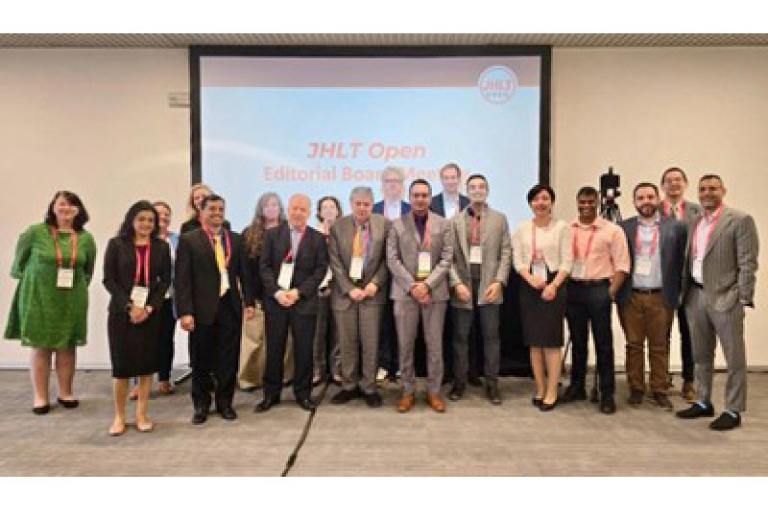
x,y
221,262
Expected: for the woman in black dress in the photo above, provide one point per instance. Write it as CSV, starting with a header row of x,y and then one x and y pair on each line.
x,y
137,273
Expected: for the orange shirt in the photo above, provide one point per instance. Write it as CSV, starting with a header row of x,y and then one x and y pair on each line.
x,y
608,252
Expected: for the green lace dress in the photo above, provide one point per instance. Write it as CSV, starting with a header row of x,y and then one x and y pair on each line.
x,y
42,315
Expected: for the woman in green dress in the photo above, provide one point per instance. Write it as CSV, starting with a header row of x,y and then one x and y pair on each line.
x,y
54,264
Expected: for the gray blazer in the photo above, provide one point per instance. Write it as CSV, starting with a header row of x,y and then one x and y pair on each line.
x,y
730,261
402,256
340,254
672,239
692,212
497,255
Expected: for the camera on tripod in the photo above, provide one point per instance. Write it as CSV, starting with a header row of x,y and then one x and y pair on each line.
x,y
609,192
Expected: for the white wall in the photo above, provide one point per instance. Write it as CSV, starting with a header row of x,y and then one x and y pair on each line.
x,y
97,122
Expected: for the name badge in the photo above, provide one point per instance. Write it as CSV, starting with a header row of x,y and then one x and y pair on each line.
x,y
356,268
224,286
643,266
578,271
425,265
539,269
286,276
139,296
698,269
476,254
169,293
65,278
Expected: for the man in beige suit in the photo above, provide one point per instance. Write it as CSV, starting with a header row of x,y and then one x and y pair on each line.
x,y
718,282
482,257
357,252
419,254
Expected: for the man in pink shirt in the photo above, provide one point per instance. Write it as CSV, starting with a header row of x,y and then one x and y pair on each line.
x,y
600,265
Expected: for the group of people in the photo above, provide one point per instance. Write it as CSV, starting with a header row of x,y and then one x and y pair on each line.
x,y
286,302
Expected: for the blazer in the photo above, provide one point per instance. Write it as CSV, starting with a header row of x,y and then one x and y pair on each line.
x,y
437,204
340,256
403,252
673,235
692,212
730,261
120,271
379,207
310,264
497,255
197,278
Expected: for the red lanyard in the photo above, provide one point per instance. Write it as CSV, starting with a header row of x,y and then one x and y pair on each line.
x,y
289,256
576,242
146,264
227,243
476,228
59,257
712,223
427,240
668,208
654,241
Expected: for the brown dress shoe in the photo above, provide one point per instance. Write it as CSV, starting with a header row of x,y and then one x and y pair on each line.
x,y
688,393
406,402
436,402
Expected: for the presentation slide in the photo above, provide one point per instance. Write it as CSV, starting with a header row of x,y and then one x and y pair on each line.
x,y
322,126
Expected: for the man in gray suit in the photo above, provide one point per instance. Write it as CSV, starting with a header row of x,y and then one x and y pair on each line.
x,y
419,256
648,298
357,252
482,258
674,182
719,281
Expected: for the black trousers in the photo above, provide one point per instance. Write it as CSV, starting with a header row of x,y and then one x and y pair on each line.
x,y
215,353
166,345
388,347
686,348
277,322
590,304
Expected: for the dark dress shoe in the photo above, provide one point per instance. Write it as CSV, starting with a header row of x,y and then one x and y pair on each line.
x,y
372,399
537,401
475,381
345,395
661,400
68,404
307,404
492,392
266,404
696,410
228,413
573,394
607,405
545,407
43,409
457,392
200,416
635,397
726,421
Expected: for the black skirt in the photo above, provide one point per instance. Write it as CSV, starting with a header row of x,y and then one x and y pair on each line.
x,y
133,348
542,321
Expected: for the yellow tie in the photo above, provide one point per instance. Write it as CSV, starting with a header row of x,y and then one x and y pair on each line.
x,y
221,262
357,244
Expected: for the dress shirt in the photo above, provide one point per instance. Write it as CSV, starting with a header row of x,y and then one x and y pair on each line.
x,y
609,252
392,209
704,226
450,205
645,232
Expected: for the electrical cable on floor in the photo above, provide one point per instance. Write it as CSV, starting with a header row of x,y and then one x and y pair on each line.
x,y
295,454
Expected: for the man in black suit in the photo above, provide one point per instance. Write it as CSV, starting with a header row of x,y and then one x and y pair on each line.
x,y
294,260
210,270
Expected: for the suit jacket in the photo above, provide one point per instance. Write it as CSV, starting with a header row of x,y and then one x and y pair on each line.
x,y
673,235
340,255
497,254
692,212
379,207
120,272
403,245
310,264
730,260
438,203
197,278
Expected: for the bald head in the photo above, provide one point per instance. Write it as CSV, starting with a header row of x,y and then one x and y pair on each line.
x,y
299,206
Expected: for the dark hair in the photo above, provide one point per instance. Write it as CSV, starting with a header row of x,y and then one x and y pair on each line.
x,y
419,181
712,177
645,184
477,176
674,169
82,215
451,166
163,204
587,191
126,228
328,198
539,188
210,198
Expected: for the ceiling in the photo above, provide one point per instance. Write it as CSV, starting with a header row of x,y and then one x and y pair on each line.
x,y
556,40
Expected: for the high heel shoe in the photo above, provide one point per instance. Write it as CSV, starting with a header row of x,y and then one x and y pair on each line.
x,y
536,401
544,407
42,409
68,404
